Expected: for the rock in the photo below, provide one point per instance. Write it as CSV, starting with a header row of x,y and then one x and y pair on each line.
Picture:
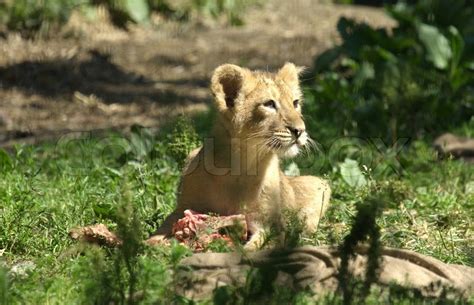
x,y
449,144
317,269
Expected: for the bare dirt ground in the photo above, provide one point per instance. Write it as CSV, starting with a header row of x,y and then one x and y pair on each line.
x,y
92,76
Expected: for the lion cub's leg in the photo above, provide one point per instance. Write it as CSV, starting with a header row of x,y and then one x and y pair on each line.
x,y
312,196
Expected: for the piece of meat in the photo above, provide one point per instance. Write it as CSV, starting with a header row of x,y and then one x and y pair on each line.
x,y
199,230
96,234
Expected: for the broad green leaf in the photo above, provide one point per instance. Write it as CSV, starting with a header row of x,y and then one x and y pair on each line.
x,y
402,13
436,45
352,174
365,72
138,10
457,45
292,169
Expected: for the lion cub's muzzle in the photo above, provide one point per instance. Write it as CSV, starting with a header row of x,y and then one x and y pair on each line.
x,y
295,132
291,136
290,141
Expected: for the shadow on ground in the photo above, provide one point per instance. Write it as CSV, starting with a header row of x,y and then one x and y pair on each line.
x,y
96,74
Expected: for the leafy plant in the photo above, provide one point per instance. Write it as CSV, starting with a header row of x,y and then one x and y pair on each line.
x,y
352,174
183,140
293,227
3,285
116,276
123,11
35,16
231,8
364,228
401,82
42,17
141,143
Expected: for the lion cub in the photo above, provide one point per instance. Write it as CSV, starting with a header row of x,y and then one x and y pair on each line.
x,y
237,169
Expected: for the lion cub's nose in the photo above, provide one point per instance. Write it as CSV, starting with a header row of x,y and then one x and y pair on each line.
x,y
295,131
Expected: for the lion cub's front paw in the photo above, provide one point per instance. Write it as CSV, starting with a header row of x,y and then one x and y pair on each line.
x,y
256,242
252,246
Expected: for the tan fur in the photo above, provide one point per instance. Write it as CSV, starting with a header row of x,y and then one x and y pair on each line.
x,y
237,169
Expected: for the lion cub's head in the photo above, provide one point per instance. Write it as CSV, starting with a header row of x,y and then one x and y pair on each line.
x,y
262,108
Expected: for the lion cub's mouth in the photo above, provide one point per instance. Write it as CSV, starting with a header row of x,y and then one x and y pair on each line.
x,y
287,145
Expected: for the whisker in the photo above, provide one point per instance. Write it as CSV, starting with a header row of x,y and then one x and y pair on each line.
x,y
265,148
256,135
315,145
307,149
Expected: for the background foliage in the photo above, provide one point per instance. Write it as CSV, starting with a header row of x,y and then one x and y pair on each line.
x,y
415,80
30,17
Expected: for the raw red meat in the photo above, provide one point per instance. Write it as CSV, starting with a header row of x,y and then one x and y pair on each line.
x,y
199,230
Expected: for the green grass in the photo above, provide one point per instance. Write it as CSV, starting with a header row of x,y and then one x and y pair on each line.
x,y
130,185
428,206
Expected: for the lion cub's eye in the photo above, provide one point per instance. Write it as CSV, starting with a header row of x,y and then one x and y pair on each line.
x,y
270,104
296,103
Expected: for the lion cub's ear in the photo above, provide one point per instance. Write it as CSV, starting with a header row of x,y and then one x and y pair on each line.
x,y
290,73
226,84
